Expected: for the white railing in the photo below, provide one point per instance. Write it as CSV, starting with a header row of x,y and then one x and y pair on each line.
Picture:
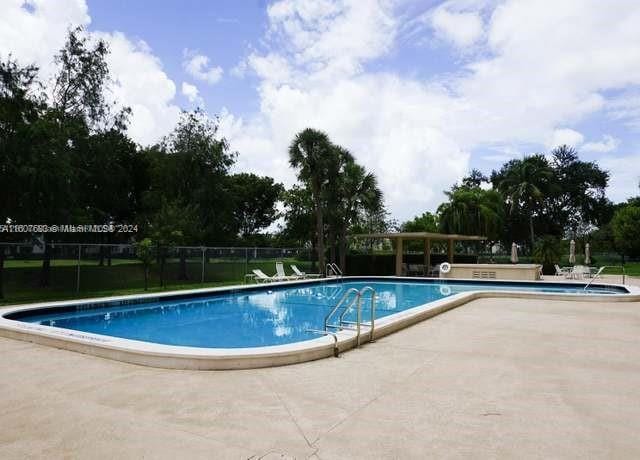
x,y
335,270
601,269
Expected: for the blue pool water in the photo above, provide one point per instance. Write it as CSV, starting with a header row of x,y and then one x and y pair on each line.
x,y
259,317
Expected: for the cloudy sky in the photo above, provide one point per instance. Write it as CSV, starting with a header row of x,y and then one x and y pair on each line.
x,y
419,91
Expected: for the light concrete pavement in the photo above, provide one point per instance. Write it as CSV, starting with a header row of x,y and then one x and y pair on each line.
x,y
494,378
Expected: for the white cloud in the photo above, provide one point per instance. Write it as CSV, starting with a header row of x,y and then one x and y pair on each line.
x,y
626,108
189,91
34,31
141,84
240,69
625,176
197,65
318,81
533,75
607,144
503,154
332,38
460,28
544,71
565,136
192,94
35,34
272,67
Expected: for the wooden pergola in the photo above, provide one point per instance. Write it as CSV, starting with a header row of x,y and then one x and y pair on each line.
x,y
427,237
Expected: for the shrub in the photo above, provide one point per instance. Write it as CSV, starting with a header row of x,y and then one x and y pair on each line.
x,y
144,252
547,251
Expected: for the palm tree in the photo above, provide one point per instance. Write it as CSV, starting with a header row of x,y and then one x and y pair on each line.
x,y
309,153
524,184
359,195
333,196
472,211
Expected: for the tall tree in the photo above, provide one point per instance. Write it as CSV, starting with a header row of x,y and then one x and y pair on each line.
x,y
524,183
359,195
626,230
254,202
472,211
426,222
79,85
299,218
60,138
334,197
189,168
578,200
174,224
475,179
310,153
21,104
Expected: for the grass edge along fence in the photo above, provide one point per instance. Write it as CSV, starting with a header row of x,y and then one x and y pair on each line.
x,y
83,269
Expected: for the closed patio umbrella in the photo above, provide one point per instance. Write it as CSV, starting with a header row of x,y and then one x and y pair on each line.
x,y
514,253
572,252
587,254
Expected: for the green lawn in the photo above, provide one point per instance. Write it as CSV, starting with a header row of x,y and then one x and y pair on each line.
x,y
630,268
21,280
64,262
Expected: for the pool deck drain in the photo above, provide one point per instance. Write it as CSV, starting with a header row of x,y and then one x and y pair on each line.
x,y
493,378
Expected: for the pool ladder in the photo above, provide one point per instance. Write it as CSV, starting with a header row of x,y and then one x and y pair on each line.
x,y
350,298
601,269
334,269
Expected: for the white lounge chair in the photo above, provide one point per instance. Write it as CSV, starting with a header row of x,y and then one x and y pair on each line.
x,y
302,274
262,277
281,275
564,271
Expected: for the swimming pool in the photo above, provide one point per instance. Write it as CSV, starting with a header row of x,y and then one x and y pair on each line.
x,y
262,320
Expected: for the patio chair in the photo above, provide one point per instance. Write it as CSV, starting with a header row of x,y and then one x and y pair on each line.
x,y
262,277
281,275
302,274
564,271
580,272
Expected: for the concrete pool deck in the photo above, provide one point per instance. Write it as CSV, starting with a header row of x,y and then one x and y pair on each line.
x,y
492,378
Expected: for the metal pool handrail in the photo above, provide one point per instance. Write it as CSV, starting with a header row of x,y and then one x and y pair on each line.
x,y
358,322
373,308
601,269
334,268
339,304
362,291
336,350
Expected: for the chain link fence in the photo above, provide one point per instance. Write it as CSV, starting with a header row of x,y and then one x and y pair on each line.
x,y
597,258
85,269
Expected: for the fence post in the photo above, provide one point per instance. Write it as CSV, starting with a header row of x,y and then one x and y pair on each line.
x,y
246,261
203,251
78,269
